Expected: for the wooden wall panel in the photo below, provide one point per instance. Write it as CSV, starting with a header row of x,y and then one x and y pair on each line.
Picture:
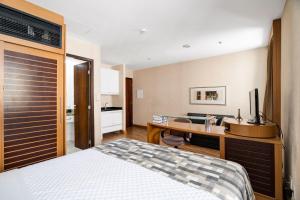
x,y
30,109
258,160
1,106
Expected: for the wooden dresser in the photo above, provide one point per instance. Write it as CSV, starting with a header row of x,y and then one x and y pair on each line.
x,y
259,150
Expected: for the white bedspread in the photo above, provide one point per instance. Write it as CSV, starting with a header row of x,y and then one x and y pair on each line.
x,y
91,174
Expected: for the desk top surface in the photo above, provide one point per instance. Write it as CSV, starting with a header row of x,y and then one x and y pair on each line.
x,y
217,131
192,128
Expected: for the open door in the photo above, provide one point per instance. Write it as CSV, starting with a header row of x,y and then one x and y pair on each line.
x,y
81,105
129,111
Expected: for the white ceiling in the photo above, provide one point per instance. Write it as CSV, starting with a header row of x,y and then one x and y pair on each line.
x,y
116,24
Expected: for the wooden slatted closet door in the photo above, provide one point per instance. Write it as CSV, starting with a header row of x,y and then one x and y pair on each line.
x,y
32,105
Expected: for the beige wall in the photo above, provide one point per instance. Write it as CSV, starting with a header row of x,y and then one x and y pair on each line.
x,y
129,73
87,49
166,88
291,91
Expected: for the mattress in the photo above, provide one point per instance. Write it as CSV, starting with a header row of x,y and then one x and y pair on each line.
x,y
99,173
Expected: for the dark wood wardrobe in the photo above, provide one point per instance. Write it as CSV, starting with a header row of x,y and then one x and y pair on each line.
x,y
32,54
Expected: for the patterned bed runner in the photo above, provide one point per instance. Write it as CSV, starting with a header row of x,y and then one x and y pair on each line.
x,y
225,179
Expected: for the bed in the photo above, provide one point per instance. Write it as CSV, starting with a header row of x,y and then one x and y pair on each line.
x,y
128,169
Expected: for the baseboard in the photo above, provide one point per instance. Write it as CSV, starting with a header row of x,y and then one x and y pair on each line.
x,y
140,126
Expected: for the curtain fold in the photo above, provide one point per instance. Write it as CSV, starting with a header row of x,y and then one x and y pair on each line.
x,y
268,100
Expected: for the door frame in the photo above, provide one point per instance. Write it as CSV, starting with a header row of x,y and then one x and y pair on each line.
x,y
91,116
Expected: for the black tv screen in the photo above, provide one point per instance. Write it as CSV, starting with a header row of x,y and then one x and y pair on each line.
x,y
254,107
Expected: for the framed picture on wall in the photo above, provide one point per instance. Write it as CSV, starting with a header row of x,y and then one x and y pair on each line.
x,y
208,95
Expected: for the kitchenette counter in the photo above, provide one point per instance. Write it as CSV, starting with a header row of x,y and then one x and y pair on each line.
x,y
105,109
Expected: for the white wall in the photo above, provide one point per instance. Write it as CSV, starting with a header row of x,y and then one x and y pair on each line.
x,y
90,50
166,88
119,100
291,91
69,85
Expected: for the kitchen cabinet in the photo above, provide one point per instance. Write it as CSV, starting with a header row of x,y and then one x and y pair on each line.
x,y
110,82
111,121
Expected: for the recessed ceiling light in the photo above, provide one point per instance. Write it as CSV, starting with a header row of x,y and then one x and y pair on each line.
x,y
186,46
148,58
220,42
143,30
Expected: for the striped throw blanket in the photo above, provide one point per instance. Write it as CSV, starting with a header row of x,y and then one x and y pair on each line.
x,y
225,179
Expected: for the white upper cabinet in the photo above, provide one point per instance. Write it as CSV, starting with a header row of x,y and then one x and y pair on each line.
x,y
109,82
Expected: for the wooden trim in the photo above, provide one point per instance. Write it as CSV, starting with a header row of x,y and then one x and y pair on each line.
x,y
35,10
64,93
278,171
32,152
32,70
276,60
51,129
29,143
35,45
60,106
222,147
28,158
32,81
32,147
14,62
79,57
1,106
259,196
92,97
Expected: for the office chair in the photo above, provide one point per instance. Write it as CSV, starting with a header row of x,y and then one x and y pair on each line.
x,y
176,138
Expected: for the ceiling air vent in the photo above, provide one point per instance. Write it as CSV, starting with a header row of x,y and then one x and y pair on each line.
x,y
22,25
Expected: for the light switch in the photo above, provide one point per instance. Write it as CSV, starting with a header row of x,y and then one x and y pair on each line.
x,y
140,93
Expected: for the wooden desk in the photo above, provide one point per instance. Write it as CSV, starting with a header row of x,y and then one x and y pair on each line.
x,y
154,130
262,157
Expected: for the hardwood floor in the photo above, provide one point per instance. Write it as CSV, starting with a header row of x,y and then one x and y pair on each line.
x,y
140,133
136,133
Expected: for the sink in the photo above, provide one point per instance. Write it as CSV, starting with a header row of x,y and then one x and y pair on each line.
x,y
103,109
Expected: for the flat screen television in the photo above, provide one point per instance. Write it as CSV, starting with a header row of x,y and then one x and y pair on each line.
x,y
254,107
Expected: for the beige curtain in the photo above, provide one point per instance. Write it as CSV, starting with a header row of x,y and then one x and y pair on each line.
x,y
268,101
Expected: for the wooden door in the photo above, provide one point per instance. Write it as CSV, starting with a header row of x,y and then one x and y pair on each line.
x,y
81,101
31,108
129,110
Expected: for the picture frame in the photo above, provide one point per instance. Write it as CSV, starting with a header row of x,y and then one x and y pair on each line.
x,y
208,95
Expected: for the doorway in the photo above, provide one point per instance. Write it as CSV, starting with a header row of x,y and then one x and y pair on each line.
x,y
129,107
79,103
